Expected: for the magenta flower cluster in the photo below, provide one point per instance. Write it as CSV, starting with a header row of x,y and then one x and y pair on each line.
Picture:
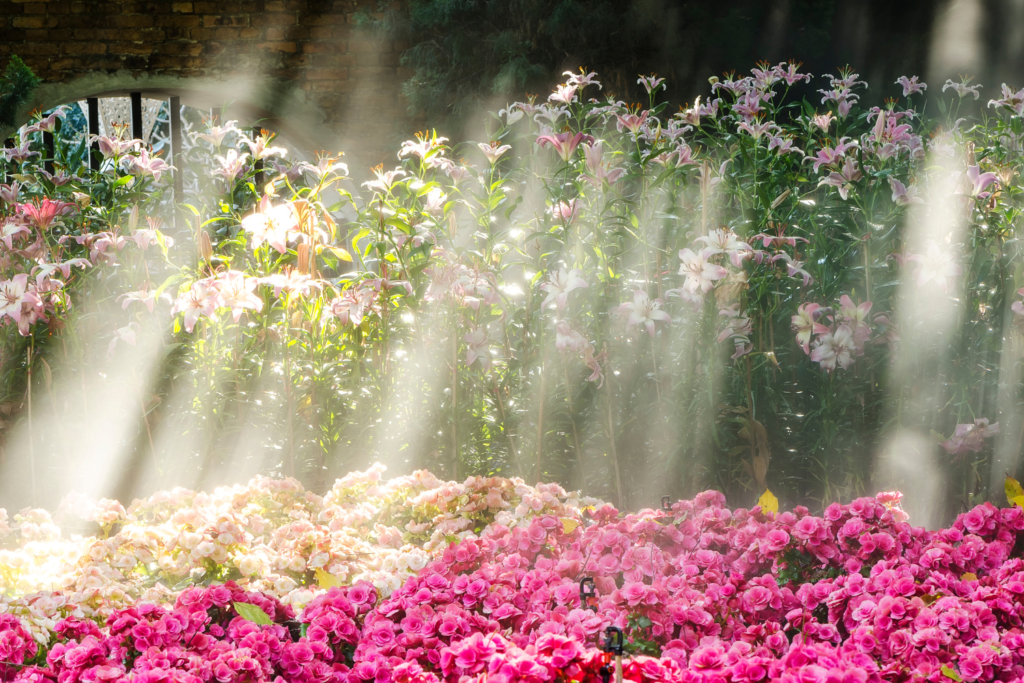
x,y
702,594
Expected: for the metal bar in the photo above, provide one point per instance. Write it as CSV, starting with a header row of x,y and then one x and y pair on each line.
x,y
48,146
258,166
9,143
137,132
177,160
93,104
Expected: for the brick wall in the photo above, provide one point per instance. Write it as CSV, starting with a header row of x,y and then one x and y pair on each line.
x,y
303,60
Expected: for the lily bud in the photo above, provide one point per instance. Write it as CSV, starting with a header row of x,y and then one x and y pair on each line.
x,y
303,252
82,199
205,246
133,218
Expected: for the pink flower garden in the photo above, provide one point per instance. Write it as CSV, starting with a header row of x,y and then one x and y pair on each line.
x,y
749,294
418,580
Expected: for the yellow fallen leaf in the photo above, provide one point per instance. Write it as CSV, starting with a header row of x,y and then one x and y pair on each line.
x,y
325,580
1018,500
768,502
569,525
969,576
1013,490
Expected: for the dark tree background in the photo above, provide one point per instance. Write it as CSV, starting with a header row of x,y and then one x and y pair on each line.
x,y
467,52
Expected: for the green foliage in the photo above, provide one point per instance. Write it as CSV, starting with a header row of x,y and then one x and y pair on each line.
x,y
16,86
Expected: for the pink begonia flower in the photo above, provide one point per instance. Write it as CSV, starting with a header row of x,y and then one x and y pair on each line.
x,y
199,300
962,89
834,348
275,225
237,292
564,143
644,311
560,283
970,437
903,195
804,325
493,151
1011,99
911,86
936,265
978,181
725,241
699,272
478,348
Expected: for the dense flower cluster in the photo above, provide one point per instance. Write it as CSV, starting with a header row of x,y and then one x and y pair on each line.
x,y
701,593
269,535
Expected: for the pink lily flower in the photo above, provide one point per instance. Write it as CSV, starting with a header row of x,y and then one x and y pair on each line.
x,y
644,311
632,122
700,273
199,300
115,146
237,292
273,225
492,151
652,83
725,241
564,143
143,165
902,195
911,86
125,335
979,181
565,94
962,89
216,134
805,326
9,229
19,154
42,214
1012,100
834,349
568,339
843,179
478,348
260,147
385,179
823,121
566,211
737,328
560,284
970,437
13,296
936,266
794,267
230,164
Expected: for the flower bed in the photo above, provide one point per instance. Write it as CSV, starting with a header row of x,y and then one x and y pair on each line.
x,y
480,581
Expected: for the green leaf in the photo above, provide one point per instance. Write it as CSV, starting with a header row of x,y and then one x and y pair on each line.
x,y
252,613
950,673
